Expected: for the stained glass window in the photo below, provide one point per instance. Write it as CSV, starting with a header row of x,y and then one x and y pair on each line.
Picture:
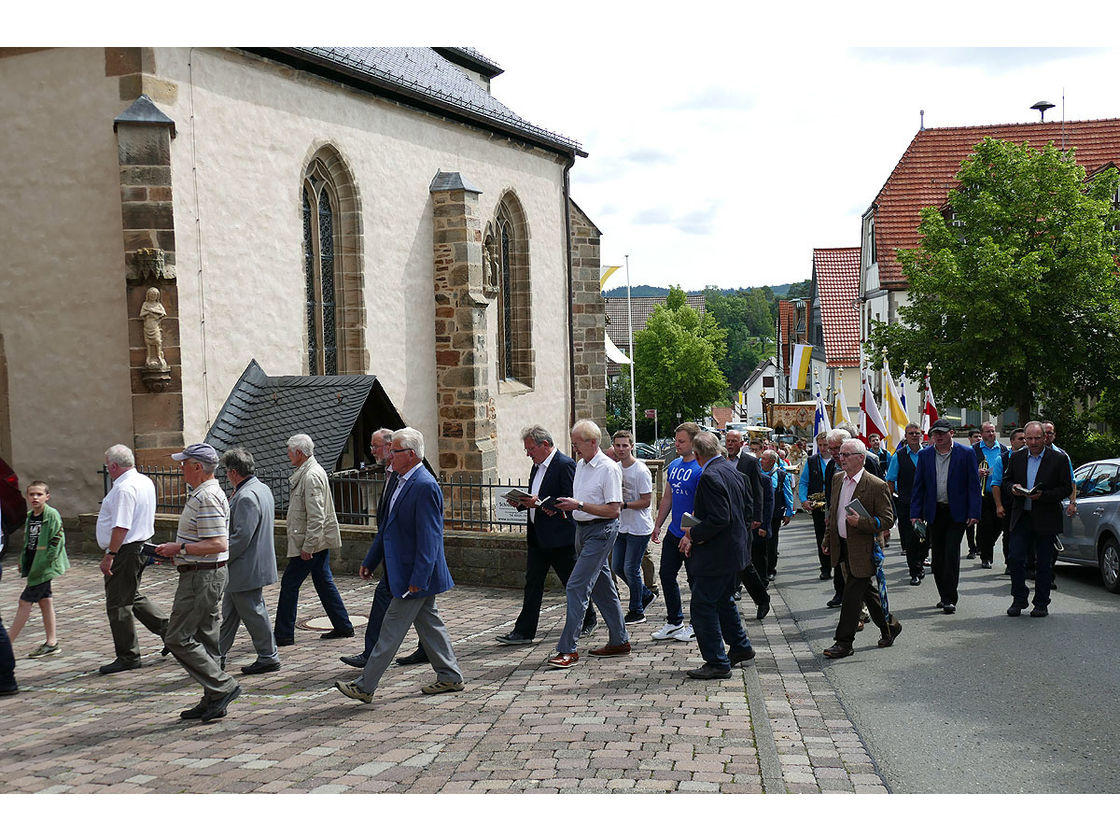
x,y
319,266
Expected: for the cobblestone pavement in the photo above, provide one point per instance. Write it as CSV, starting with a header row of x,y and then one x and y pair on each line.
x,y
632,724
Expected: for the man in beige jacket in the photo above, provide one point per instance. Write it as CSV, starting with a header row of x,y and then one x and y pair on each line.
x,y
312,533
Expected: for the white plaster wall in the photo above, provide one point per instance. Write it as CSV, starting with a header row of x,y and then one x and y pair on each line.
x,y
246,132
62,286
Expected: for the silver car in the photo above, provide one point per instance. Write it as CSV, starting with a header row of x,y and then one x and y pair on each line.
x,y
1092,536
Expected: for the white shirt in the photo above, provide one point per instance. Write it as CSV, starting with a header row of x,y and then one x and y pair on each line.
x,y
131,504
847,491
636,481
598,482
538,480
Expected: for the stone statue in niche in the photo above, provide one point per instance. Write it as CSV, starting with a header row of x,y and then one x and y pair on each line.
x,y
151,314
490,269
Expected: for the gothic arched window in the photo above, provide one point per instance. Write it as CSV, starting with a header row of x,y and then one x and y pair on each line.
x,y
332,248
515,325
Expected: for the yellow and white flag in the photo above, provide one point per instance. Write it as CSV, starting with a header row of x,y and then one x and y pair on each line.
x,y
840,408
741,401
799,369
894,409
611,269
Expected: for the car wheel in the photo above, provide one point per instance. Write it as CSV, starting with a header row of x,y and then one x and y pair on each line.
x,y
1110,565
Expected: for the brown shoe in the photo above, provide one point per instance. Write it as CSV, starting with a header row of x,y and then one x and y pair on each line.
x,y
564,660
890,635
612,650
838,651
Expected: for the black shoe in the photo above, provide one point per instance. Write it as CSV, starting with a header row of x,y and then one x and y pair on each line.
x,y
417,657
826,576
763,610
838,651
358,661
949,609
285,642
195,712
218,708
940,605
632,617
737,655
259,667
1053,584
166,650
1039,612
985,564
771,576
338,634
971,555
709,672
890,634
9,692
915,581
1016,609
648,599
588,629
118,665
514,638
836,602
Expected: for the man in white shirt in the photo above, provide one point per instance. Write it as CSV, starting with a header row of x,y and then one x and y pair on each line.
x,y
594,504
124,523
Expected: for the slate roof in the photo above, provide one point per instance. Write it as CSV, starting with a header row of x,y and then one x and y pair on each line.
x,y
836,273
926,172
262,412
422,77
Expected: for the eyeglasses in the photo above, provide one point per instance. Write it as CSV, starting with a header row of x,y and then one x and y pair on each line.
x,y
399,451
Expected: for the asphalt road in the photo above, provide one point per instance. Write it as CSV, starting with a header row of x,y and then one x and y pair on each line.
x,y
975,702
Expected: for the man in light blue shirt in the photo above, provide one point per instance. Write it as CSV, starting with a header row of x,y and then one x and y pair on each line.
x,y
990,455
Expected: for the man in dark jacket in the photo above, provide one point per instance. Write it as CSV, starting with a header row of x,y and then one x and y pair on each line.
x,y
1037,482
716,556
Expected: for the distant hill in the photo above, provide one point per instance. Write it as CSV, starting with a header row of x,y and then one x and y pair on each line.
x,y
662,291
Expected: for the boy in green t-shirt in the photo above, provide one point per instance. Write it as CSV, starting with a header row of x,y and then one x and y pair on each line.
x,y
44,558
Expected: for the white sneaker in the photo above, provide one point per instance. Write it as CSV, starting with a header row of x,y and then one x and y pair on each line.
x,y
684,633
666,632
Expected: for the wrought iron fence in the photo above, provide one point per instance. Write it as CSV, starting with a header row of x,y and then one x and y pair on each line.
x,y
469,504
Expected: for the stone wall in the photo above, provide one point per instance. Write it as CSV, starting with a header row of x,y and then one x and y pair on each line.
x,y
589,354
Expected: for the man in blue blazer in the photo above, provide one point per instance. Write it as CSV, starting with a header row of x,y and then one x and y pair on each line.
x,y
551,532
715,558
411,547
946,499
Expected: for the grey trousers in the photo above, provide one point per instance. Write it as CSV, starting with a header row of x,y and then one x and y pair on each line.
x,y
248,607
192,631
123,601
401,614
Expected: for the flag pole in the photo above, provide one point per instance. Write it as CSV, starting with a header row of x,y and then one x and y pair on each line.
x,y
633,365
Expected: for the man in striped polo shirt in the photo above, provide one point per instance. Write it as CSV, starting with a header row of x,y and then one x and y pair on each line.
x,y
200,551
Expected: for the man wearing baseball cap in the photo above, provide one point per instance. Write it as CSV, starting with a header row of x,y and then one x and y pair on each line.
x,y
946,498
201,552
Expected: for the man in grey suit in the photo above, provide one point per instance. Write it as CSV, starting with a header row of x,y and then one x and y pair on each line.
x,y
252,562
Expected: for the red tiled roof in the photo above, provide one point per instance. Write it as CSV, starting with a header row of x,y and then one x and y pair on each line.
x,y
836,271
926,172
787,321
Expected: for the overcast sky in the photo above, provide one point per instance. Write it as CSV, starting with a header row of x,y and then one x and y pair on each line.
x,y
709,166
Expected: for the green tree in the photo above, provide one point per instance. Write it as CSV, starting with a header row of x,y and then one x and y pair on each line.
x,y
1014,295
677,360
745,315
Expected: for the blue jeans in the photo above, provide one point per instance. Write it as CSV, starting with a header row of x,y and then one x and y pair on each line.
x,y
591,579
295,574
7,660
671,562
715,618
627,559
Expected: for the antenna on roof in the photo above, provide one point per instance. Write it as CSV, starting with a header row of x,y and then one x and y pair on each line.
x,y
1042,106
922,120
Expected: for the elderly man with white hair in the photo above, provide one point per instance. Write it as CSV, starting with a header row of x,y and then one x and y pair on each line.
x,y
312,533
